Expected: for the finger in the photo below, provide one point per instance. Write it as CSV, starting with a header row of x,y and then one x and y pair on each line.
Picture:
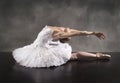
x,y
102,37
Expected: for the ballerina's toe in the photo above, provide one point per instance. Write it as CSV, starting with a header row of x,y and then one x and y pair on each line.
x,y
102,56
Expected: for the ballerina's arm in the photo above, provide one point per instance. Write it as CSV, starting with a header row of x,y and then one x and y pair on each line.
x,y
84,33
61,33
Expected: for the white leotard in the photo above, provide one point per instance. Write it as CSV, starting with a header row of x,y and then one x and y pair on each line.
x,y
43,52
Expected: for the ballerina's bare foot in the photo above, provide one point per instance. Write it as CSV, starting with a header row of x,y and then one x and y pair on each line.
x,y
101,56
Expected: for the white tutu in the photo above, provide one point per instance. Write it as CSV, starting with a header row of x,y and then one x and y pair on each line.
x,y
43,52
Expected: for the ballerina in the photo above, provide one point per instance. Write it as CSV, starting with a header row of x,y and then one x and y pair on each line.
x,y
50,48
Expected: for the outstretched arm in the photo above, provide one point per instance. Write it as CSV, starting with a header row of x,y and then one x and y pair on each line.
x,y
61,33
84,33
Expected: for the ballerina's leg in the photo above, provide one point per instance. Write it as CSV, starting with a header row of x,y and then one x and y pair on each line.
x,y
89,56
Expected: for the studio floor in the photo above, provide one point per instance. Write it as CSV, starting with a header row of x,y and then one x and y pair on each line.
x,y
72,72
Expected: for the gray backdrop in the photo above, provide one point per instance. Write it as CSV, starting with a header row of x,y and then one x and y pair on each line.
x,y
22,20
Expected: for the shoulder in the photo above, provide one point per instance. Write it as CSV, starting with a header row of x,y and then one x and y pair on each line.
x,y
47,29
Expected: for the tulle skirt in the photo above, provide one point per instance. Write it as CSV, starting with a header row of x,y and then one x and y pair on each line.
x,y
35,56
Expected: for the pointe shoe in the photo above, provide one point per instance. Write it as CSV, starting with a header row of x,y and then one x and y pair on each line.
x,y
102,56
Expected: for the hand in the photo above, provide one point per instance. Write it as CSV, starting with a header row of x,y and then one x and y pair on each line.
x,y
100,35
